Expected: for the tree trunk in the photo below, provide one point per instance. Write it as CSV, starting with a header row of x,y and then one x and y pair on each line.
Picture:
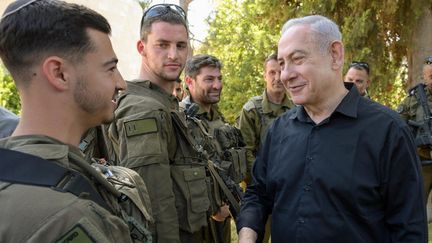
x,y
185,6
420,47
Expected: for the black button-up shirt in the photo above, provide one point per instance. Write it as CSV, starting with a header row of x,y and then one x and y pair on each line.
x,y
355,177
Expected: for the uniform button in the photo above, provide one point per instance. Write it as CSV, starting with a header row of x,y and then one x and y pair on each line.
x,y
306,188
301,221
195,173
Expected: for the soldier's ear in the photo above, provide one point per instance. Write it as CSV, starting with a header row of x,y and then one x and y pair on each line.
x,y
141,47
189,82
55,70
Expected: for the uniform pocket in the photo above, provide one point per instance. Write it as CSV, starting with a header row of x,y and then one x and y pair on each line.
x,y
192,200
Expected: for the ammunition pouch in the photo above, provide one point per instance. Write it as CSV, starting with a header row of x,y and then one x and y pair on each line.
x,y
233,151
237,166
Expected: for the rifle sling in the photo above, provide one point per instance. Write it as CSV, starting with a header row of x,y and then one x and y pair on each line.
x,y
224,188
22,168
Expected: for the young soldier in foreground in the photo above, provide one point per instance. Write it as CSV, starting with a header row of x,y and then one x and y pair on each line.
x,y
65,69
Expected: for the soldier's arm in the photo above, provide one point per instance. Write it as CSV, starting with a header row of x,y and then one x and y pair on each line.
x,y
250,133
145,141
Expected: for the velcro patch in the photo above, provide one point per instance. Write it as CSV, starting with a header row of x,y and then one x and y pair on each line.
x,y
143,126
77,234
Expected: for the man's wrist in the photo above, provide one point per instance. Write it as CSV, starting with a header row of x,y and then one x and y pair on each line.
x,y
247,235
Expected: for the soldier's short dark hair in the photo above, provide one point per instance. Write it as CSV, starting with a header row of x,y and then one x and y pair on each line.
x,y
270,57
195,63
360,66
31,30
169,13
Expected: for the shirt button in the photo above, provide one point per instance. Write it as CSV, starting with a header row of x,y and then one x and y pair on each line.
x,y
301,221
306,188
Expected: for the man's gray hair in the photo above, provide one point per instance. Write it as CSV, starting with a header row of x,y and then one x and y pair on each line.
x,y
324,30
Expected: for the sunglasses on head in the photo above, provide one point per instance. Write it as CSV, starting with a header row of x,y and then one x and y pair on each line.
x,y
363,65
162,9
428,60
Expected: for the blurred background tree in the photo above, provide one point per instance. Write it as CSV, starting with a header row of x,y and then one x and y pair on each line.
x,y
9,97
392,36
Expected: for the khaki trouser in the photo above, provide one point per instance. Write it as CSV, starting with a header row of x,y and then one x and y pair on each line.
x,y
267,232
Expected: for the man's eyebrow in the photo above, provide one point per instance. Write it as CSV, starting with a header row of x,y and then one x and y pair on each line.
x,y
292,54
114,60
213,76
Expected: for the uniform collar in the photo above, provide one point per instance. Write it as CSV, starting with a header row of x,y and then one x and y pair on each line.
x,y
211,116
148,84
348,106
286,102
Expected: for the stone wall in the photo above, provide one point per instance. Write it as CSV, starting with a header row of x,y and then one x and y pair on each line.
x,y
124,17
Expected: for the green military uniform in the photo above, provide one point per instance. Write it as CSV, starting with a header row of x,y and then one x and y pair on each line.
x,y
145,137
43,214
255,118
410,109
212,120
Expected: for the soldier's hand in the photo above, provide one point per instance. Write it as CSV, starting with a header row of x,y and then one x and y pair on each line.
x,y
222,213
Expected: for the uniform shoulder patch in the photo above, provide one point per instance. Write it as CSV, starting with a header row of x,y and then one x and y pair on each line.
x,y
142,126
77,234
249,105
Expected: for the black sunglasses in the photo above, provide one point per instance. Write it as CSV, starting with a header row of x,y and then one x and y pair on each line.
x,y
161,9
363,65
428,60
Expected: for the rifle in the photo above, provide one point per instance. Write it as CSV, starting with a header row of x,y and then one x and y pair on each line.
x,y
232,192
423,130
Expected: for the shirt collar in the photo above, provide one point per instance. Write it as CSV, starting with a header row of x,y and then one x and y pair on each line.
x,y
348,106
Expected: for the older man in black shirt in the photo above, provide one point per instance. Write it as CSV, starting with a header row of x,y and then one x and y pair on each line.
x,y
338,167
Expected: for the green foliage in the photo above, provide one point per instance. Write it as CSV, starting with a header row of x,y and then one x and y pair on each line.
x,y
243,32
144,3
9,97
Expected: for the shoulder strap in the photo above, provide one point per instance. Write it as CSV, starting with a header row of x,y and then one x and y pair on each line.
x,y
22,168
257,101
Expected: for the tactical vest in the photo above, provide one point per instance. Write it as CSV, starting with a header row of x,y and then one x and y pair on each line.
x,y
124,184
224,147
265,119
229,145
192,183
